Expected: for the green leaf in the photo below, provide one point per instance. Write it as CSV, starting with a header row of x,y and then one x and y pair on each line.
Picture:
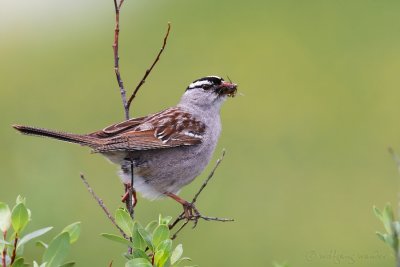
x,y
381,236
396,227
116,238
74,231
137,239
3,242
158,258
138,253
35,264
164,220
377,213
5,217
176,254
161,233
166,245
41,244
128,256
57,250
18,263
163,253
182,260
390,241
68,264
139,262
33,235
146,237
388,218
124,221
19,217
151,226
20,199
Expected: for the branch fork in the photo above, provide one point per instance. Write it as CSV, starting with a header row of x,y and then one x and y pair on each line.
x,y
190,212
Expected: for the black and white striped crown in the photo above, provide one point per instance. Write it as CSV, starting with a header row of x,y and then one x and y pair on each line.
x,y
206,82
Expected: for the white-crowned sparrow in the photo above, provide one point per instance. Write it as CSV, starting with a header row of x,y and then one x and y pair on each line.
x,y
168,149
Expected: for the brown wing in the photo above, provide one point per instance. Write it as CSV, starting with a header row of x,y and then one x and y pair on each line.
x,y
117,128
169,128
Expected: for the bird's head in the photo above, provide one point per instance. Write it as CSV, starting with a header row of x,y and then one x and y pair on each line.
x,y
210,90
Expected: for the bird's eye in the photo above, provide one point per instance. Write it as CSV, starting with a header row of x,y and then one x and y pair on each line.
x,y
206,86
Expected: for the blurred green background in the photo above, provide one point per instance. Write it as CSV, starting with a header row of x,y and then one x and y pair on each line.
x,y
306,146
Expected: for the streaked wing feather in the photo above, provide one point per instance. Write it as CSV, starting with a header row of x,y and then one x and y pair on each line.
x,y
170,128
117,128
144,141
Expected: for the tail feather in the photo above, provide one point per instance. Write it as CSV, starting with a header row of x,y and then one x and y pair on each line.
x,y
67,137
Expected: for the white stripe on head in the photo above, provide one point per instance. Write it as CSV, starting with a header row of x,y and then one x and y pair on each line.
x,y
199,84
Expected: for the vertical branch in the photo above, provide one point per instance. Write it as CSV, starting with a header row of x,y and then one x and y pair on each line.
x,y
130,201
116,57
117,6
14,252
4,253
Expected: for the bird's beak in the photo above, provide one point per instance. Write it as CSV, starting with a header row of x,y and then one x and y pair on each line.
x,y
227,88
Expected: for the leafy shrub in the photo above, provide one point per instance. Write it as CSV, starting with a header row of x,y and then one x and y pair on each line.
x,y
151,245
12,224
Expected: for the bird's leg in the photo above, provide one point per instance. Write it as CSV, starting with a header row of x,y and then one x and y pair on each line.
x,y
132,188
126,195
191,213
130,191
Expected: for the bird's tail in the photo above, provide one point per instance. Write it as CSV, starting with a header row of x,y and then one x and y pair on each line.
x,y
67,137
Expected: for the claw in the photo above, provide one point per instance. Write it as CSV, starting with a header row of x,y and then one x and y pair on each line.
x,y
126,195
190,212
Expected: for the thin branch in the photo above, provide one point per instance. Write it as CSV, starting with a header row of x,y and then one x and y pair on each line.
x,y
14,252
117,6
116,57
4,253
198,216
102,205
143,80
180,228
209,177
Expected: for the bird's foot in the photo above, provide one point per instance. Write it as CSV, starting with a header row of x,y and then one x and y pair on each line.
x,y
190,212
126,195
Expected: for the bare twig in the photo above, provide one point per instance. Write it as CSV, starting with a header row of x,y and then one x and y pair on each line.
x,y
131,193
14,252
143,80
117,6
197,215
101,204
209,177
180,228
116,57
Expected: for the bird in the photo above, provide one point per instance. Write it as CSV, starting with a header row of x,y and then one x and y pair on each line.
x,y
166,150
